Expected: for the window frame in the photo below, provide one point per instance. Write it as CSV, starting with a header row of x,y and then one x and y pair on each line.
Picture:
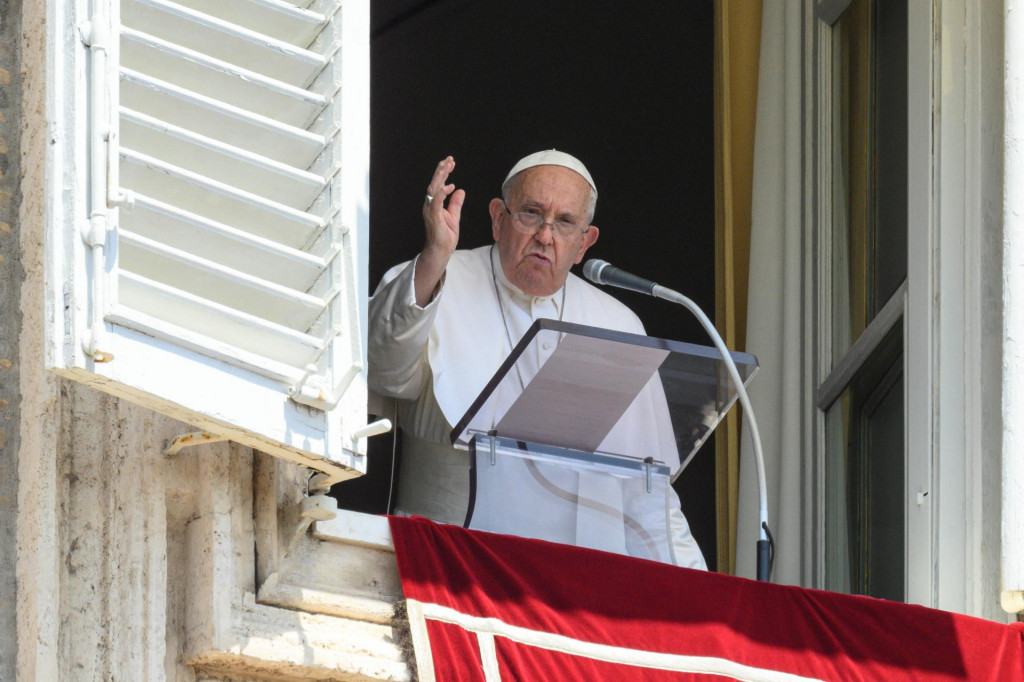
x,y
833,375
183,378
943,307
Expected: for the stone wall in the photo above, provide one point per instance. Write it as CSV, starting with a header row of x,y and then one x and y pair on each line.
x,y
37,553
10,321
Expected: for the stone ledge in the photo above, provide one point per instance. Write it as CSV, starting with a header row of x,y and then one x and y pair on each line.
x,y
278,643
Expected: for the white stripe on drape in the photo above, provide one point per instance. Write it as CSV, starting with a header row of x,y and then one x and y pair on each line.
x,y
706,665
420,641
488,656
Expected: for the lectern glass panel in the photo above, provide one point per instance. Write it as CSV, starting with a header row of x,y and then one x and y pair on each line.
x,y
577,498
600,391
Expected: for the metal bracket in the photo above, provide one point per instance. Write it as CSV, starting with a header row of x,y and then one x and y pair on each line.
x,y
175,445
98,356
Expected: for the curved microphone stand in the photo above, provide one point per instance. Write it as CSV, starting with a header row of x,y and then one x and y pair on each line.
x,y
601,272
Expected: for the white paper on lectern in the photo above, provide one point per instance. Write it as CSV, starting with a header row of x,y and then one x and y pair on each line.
x,y
581,392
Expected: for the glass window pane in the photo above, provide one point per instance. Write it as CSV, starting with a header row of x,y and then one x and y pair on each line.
x,y
864,479
883,494
869,143
890,186
839,551
851,76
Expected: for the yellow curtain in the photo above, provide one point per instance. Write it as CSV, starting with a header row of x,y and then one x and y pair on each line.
x,y
737,48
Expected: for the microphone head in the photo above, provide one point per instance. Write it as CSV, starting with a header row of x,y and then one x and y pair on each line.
x,y
592,270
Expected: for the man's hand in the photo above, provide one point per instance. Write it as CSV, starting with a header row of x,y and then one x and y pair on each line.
x,y
442,230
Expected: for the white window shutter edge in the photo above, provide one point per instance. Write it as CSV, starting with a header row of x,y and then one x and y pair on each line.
x,y
307,411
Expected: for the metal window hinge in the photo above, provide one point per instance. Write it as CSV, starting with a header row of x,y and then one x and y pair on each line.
x,y
313,508
311,393
316,506
94,34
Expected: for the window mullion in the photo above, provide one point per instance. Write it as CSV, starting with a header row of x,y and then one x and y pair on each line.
x,y
837,381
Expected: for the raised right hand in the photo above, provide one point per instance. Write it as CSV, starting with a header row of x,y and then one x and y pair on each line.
x,y
442,223
441,226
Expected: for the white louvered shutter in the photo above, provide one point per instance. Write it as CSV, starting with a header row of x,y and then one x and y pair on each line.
x,y
220,278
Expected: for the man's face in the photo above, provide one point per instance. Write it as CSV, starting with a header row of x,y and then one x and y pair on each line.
x,y
539,263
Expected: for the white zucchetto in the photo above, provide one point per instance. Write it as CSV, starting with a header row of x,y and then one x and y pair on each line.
x,y
551,157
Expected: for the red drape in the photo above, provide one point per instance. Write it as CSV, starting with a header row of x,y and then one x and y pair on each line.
x,y
486,607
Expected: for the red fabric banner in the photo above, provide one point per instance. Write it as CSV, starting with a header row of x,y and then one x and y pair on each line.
x,y
495,607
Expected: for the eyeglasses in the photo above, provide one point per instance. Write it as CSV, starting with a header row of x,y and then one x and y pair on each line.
x,y
531,221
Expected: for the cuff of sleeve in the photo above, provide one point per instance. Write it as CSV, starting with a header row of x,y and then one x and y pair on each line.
x,y
410,288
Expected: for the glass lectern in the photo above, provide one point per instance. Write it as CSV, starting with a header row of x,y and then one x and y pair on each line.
x,y
578,435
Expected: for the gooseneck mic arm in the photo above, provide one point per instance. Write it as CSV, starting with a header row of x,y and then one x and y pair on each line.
x,y
602,272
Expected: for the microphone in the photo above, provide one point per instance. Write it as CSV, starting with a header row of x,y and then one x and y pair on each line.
x,y
603,272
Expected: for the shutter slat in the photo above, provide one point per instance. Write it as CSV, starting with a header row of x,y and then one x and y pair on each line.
x,y
208,116
230,42
217,200
274,18
218,160
214,282
234,248
229,84
227,325
204,345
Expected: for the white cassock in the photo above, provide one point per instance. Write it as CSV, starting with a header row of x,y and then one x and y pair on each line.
x,y
437,359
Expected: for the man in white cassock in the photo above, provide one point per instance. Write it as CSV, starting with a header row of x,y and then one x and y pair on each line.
x,y
441,324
